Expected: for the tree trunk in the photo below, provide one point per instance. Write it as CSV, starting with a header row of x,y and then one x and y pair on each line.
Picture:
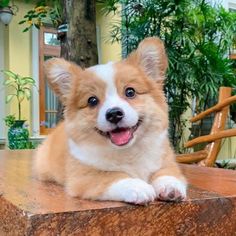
x,y
80,44
81,36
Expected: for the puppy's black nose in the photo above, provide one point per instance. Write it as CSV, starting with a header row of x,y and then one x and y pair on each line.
x,y
114,115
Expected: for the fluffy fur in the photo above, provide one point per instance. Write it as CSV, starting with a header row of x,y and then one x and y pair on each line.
x,y
86,155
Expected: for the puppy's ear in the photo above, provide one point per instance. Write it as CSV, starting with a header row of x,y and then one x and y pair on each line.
x,y
60,74
151,57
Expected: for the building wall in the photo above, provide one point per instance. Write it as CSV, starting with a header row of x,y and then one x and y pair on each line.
x,y
229,4
17,55
108,51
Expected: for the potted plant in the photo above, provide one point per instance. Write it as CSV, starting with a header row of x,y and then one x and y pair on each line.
x,y
18,136
20,89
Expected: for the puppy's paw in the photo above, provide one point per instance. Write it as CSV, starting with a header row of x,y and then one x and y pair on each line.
x,y
130,190
169,188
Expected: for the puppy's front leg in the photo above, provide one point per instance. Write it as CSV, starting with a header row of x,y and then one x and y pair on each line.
x,y
169,183
93,184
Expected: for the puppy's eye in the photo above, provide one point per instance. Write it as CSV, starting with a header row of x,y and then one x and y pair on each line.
x,y
130,92
93,101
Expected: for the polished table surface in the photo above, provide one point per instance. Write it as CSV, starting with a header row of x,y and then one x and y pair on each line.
x,y
31,207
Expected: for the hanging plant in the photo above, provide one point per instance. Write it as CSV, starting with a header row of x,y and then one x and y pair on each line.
x,y
43,13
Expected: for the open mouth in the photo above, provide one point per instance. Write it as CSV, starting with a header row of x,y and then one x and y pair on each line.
x,y
120,136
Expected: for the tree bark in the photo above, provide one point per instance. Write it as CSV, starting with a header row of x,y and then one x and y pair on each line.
x,y
81,35
80,43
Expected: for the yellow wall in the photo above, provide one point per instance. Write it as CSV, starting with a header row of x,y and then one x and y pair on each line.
x,y
18,55
109,52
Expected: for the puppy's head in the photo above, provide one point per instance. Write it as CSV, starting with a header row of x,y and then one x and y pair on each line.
x,y
114,104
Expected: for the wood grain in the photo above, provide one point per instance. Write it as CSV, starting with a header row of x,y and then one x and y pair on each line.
x,y
215,108
211,137
218,125
30,207
208,155
189,158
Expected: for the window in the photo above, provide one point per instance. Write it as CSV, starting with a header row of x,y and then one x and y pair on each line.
x,y
48,102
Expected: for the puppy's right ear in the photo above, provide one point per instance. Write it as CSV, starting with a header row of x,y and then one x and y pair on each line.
x,y
60,75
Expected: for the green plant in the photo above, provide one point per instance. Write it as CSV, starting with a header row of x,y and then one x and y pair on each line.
x,y
226,164
197,38
44,11
10,120
19,86
4,3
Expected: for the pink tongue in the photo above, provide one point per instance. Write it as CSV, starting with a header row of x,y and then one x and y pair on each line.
x,y
122,137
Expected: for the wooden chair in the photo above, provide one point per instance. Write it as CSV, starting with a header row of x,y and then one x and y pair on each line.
x,y
208,155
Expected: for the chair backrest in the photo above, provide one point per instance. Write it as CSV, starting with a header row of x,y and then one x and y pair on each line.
x,y
208,155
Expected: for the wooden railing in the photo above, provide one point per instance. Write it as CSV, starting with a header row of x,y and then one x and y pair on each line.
x,y
208,155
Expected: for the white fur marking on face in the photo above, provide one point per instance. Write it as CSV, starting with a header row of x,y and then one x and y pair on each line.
x,y
130,190
166,184
107,74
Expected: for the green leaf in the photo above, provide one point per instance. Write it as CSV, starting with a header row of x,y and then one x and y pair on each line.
x,y
10,120
20,95
26,29
4,3
10,97
37,26
26,81
28,78
27,94
10,74
13,86
34,16
22,82
8,82
22,22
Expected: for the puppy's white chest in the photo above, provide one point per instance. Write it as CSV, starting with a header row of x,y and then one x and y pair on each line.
x,y
138,163
144,167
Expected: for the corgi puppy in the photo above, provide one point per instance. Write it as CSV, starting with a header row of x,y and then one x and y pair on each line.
x,y
113,143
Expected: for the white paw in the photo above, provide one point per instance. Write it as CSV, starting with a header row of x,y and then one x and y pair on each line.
x,y
169,188
130,190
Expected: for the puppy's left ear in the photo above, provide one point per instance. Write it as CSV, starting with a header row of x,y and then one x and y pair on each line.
x,y
151,57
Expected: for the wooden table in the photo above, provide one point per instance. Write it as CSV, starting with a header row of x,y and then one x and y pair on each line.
x,y
30,207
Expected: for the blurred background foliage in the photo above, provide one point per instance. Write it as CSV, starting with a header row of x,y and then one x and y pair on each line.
x,y
197,36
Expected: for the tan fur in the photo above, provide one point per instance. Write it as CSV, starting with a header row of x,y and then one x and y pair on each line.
x,y
53,160
50,158
169,166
